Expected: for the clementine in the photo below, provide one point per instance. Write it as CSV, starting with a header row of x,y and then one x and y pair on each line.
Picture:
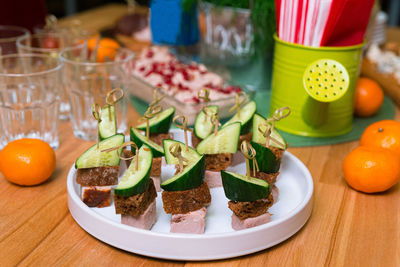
x,y
27,161
368,97
371,169
106,49
385,133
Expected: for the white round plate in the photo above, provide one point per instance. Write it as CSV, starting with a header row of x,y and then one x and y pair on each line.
x,y
219,241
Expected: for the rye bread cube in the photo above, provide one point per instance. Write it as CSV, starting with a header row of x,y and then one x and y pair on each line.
x,y
182,202
249,209
159,137
96,185
137,204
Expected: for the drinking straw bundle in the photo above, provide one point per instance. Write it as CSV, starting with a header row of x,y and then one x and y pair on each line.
x,y
323,22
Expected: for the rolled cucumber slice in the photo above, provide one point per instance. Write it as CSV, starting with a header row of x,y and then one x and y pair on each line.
x,y
108,124
226,140
192,155
246,114
191,177
93,157
139,139
266,160
238,187
159,123
135,182
259,138
204,127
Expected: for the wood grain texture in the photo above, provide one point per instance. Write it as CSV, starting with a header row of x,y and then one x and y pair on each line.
x,y
347,228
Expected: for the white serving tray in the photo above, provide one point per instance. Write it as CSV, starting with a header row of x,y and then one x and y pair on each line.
x,y
219,241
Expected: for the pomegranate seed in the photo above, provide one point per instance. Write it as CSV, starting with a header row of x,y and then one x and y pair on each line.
x,y
150,54
141,69
195,99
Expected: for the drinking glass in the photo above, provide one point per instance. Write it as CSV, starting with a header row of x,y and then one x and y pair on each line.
x,y
8,38
50,43
88,81
29,97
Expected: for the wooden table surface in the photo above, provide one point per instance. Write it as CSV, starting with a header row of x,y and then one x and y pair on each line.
x,y
346,227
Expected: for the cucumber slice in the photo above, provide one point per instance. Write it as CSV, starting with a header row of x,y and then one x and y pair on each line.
x,y
238,187
191,155
140,139
191,177
135,182
266,160
204,127
246,114
226,141
93,157
259,138
107,127
159,123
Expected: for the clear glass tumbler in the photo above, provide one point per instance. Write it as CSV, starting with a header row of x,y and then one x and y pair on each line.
x,y
8,38
88,81
50,43
29,97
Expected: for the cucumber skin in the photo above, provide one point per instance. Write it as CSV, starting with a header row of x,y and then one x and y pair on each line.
x,y
266,160
139,143
136,189
238,190
120,151
192,179
245,129
160,127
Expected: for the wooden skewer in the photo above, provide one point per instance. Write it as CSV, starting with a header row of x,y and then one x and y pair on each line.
x,y
238,102
182,126
129,143
215,121
249,153
112,98
96,112
279,114
176,151
204,94
150,113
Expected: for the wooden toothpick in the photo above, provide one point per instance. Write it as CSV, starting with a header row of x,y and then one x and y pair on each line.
x,y
176,151
112,98
240,98
182,126
96,112
250,154
269,125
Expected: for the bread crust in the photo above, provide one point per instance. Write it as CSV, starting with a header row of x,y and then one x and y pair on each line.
x,y
218,162
250,209
137,204
181,202
98,176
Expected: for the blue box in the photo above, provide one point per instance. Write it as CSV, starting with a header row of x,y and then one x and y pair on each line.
x,y
171,25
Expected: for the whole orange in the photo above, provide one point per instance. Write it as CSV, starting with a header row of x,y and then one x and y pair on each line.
x,y
384,134
27,161
368,97
371,169
106,49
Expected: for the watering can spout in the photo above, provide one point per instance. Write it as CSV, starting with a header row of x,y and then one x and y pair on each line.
x,y
325,81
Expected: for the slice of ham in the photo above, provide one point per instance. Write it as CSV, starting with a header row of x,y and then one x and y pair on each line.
x,y
275,193
96,196
213,179
144,221
238,224
157,182
190,223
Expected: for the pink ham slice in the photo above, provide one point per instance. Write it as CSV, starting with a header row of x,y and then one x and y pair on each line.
x,y
190,223
275,193
157,182
213,179
144,221
238,224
